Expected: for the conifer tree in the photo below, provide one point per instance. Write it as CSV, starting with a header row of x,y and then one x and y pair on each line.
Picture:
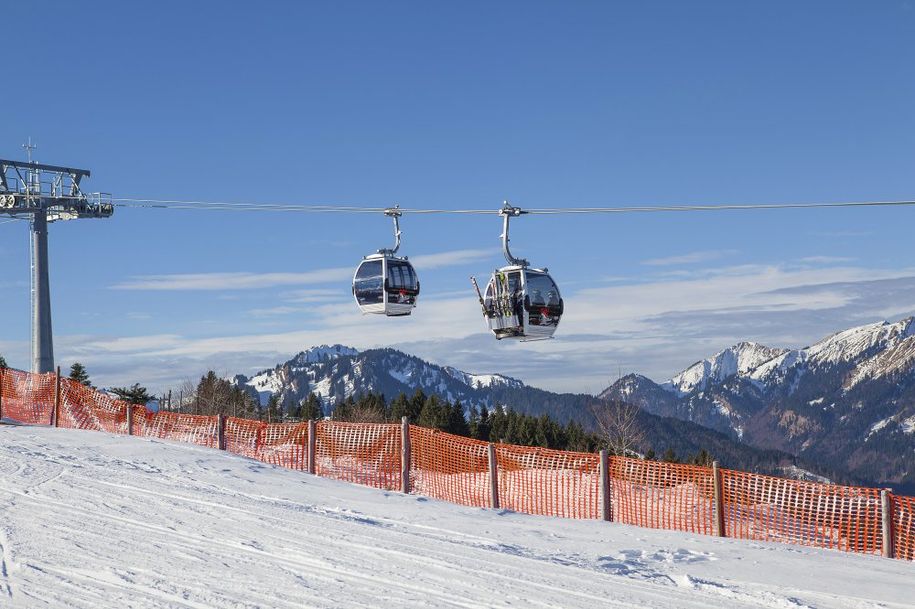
x,y
274,413
483,425
78,373
311,408
135,394
3,363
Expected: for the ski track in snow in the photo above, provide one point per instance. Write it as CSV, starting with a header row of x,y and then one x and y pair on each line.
x,y
89,519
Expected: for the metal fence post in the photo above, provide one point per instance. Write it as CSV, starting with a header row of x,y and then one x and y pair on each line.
x,y
606,507
719,500
886,511
221,431
494,476
130,419
405,455
54,412
312,441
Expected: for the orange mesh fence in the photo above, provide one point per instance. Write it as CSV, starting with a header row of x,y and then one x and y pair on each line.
x,y
26,398
450,468
85,408
662,495
904,525
284,444
364,453
548,482
766,508
531,480
242,436
190,428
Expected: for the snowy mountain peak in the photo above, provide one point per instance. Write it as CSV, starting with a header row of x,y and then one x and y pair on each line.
x,y
480,381
738,360
876,349
850,345
322,353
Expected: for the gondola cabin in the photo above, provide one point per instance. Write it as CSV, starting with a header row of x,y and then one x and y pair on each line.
x,y
385,285
522,303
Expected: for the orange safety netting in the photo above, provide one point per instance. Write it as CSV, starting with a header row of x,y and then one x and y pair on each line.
x,y
662,495
26,398
448,467
548,482
365,453
242,436
284,444
904,525
191,428
85,408
766,508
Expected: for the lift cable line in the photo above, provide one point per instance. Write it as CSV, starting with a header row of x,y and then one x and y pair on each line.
x,y
42,194
520,302
136,203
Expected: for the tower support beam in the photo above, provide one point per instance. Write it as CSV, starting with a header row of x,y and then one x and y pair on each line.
x,y
42,339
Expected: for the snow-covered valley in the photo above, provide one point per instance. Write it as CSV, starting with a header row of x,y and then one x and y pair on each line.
x,y
89,519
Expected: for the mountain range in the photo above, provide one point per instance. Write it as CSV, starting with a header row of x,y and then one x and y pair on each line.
x,y
336,372
847,401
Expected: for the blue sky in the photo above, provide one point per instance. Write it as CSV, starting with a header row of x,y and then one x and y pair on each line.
x,y
463,106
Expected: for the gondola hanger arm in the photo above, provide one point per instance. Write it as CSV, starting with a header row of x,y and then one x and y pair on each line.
x,y
396,213
508,212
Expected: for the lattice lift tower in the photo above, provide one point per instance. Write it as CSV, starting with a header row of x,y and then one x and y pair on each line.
x,y
43,194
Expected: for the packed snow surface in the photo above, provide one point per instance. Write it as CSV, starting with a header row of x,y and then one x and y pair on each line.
x,y
93,520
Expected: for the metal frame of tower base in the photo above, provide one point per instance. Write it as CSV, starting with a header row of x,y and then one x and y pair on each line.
x,y
43,194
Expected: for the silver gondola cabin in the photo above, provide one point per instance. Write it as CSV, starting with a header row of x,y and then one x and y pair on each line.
x,y
520,302
384,283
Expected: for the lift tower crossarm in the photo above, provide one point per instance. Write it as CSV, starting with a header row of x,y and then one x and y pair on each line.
x,y
45,193
42,167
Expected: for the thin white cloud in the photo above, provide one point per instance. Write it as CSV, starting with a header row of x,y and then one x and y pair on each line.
x,y
826,259
654,327
690,258
232,281
453,258
255,281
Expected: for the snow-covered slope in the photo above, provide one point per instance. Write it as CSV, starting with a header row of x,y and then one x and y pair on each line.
x,y
99,521
740,359
864,346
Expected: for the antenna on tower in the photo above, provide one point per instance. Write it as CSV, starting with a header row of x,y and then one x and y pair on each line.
x,y
29,148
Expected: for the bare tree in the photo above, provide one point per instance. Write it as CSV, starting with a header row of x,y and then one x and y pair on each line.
x,y
617,421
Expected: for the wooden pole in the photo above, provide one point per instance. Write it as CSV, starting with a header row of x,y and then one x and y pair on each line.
x,y
405,455
886,510
221,431
494,476
130,419
54,413
2,370
719,500
606,508
312,442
